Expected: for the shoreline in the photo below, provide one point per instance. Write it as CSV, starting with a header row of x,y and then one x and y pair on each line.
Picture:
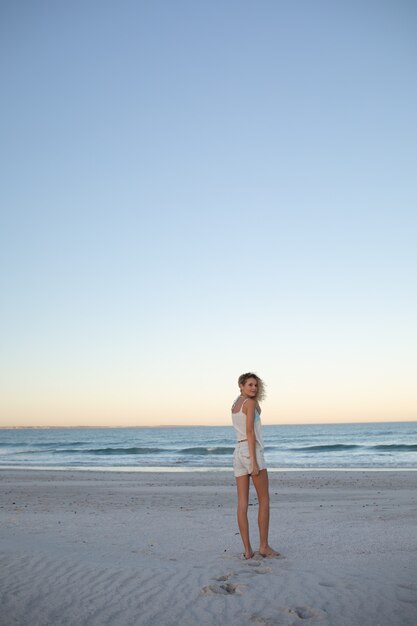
x,y
85,548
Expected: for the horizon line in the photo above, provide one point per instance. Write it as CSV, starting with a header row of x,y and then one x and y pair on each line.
x,y
406,421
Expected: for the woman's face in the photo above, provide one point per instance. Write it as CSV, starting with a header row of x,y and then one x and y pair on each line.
x,y
250,388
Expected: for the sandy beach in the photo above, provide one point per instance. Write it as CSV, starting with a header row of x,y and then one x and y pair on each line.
x,y
117,549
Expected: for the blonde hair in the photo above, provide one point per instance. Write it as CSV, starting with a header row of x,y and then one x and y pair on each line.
x,y
261,385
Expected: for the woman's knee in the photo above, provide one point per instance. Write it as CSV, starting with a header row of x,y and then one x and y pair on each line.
x,y
263,499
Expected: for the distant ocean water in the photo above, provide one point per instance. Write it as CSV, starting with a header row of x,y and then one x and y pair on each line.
x,y
384,445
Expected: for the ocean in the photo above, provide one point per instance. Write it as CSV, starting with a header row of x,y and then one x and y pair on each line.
x,y
385,445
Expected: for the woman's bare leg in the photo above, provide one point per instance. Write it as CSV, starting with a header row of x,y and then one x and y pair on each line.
x,y
242,484
261,483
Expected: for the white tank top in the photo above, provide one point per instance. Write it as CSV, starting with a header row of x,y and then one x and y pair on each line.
x,y
239,424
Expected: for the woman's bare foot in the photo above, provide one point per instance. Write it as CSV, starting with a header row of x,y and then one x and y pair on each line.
x,y
268,551
248,554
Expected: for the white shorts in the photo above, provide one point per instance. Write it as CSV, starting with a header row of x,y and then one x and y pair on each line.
x,y
242,465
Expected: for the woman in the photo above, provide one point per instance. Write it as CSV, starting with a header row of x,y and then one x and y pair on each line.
x,y
248,460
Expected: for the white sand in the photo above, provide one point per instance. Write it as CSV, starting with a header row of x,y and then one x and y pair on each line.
x,y
117,549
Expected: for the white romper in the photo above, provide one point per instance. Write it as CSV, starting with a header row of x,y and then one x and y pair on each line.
x,y
241,458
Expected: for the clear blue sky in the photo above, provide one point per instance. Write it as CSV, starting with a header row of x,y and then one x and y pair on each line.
x,y
191,190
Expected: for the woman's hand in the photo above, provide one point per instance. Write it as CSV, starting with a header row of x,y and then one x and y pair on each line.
x,y
255,469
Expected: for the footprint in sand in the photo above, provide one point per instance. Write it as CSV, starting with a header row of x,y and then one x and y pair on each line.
x,y
225,589
223,578
300,612
407,593
257,567
263,621
408,587
263,570
305,612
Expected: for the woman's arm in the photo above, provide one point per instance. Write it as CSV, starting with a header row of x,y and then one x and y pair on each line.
x,y
250,434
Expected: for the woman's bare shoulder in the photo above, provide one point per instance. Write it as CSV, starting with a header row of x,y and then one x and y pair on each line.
x,y
249,404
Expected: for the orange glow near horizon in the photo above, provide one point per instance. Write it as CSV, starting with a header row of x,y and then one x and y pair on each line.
x,y
110,416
